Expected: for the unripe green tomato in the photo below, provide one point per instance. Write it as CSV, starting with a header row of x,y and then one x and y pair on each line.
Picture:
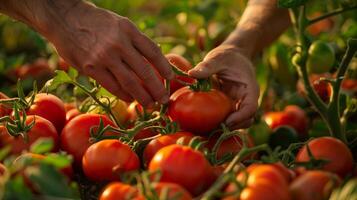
x,y
260,133
321,57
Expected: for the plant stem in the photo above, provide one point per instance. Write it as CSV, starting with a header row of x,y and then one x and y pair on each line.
x,y
224,178
333,111
330,14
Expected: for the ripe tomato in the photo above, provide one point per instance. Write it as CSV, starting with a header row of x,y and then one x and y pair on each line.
x,y
71,114
76,134
338,155
183,64
39,69
4,110
118,108
321,26
322,88
292,116
263,182
42,128
314,185
49,107
321,57
144,133
184,166
106,159
134,107
120,191
229,146
199,112
156,144
173,190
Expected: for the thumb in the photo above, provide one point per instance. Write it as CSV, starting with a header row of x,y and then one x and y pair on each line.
x,y
203,70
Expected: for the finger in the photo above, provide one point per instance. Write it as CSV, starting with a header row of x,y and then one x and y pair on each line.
x,y
128,80
247,108
204,69
108,81
242,125
147,74
153,54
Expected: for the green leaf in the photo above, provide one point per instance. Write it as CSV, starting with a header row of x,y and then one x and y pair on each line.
x,y
290,3
50,182
16,189
58,160
60,78
42,145
73,73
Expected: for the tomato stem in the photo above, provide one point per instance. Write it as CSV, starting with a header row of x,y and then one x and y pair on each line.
x,y
332,13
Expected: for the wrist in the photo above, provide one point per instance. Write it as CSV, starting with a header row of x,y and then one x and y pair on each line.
x,y
245,38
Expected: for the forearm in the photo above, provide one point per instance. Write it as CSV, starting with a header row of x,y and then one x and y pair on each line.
x,y
261,23
45,16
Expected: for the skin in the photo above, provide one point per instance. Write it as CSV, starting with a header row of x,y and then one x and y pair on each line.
x,y
231,61
115,57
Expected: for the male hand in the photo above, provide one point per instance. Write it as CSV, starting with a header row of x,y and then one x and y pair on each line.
x,y
236,76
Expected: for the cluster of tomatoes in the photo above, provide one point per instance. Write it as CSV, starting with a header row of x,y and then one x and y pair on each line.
x,y
171,163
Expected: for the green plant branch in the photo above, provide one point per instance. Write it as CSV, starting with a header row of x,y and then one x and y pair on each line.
x,y
330,14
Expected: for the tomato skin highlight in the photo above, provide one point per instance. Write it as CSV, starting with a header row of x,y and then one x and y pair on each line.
x,y
49,107
119,191
42,128
199,112
104,160
165,140
312,185
173,162
76,134
330,149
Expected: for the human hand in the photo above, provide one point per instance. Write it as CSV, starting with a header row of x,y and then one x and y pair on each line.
x,y
110,49
235,74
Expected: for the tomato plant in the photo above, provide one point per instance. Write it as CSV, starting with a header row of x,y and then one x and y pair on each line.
x,y
107,159
42,128
337,155
173,161
321,57
76,134
199,111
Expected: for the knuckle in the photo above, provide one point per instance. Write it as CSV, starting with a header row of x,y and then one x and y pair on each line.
x,y
146,73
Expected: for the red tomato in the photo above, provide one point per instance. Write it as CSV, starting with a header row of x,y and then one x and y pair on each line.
x,y
199,112
144,133
184,166
76,134
120,191
263,182
71,114
49,107
173,190
338,155
106,159
288,174
182,64
156,144
314,185
292,116
349,85
39,69
230,146
322,88
41,129
62,64
321,26
69,106
4,110
134,107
